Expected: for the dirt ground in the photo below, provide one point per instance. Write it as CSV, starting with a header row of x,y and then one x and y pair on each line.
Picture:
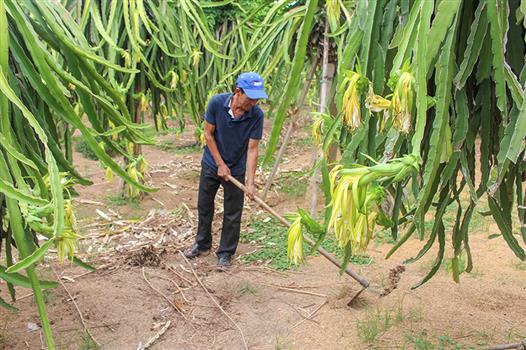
x,y
138,289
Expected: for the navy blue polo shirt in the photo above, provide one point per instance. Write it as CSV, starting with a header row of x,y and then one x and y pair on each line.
x,y
232,134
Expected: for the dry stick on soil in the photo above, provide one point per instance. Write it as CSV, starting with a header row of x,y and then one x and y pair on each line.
x,y
86,329
179,275
168,300
292,286
291,290
215,302
310,315
518,346
164,296
158,201
93,327
298,310
155,337
176,285
87,201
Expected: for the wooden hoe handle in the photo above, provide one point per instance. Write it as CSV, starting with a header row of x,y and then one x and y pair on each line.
x,y
360,279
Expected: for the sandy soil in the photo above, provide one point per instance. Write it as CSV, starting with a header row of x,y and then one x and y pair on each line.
x,y
303,309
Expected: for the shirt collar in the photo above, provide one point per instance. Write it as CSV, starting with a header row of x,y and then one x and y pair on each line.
x,y
227,105
230,111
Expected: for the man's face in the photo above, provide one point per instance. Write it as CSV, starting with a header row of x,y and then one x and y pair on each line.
x,y
241,102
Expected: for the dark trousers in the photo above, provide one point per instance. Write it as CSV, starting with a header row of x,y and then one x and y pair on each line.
x,y
233,207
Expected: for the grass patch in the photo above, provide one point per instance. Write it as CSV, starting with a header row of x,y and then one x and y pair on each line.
x,y
88,343
385,236
169,145
82,147
293,183
271,237
520,266
191,174
377,323
475,273
303,141
49,295
422,341
121,201
245,287
330,244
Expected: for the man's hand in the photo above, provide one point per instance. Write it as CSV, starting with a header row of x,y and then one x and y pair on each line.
x,y
251,191
223,171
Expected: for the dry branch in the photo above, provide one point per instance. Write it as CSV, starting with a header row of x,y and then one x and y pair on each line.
x,y
311,315
155,337
86,329
162,295
518,346
291,290
215,301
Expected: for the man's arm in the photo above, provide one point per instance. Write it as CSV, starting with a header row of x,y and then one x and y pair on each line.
x,y
222,169
252,161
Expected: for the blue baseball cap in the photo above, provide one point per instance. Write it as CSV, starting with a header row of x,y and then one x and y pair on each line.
x,y
252,85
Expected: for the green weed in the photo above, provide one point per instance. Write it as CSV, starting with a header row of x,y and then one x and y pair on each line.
x,y
384,237
378,322
475,273
330,244
293,183
271,237
88,343
375,324
520,266
277,344
169,145
422,341
3,335
49,295
121,201
246,288
190,174
419,341
303,141
81,146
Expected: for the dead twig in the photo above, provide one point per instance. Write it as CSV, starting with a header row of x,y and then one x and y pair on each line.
x,y
84,274
167,299
87,201
310,316
518,346
24,296
179,275
291,290
158,201
86,329
297,310
292,286
176,286
190,214
155,337
215,302
177,308
76,329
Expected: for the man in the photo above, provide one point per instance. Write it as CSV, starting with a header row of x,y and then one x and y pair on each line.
x,y
233,128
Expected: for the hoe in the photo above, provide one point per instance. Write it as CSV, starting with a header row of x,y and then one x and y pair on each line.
x,y
360,279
